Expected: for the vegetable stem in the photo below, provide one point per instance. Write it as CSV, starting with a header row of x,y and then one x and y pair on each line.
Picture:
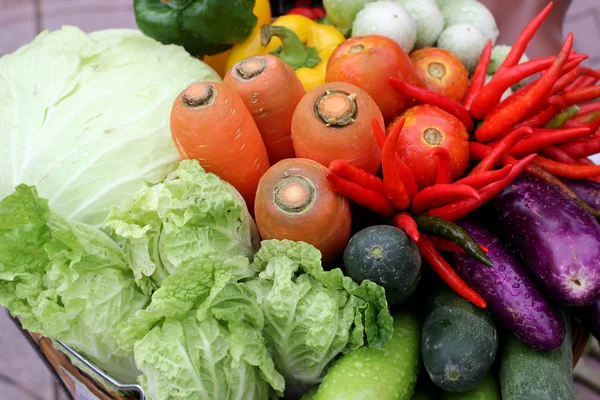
x,y
292,50
294,194
336,108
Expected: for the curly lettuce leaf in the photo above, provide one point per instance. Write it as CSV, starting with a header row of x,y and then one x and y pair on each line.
x,y
312,315
67,280
214,352
184,291
190,215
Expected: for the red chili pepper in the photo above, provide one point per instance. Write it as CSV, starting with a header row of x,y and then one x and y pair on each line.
x,y
461,208
503,116
588,80
392,181
518,48
304,11
491,93
479,75
445,271
557,154
589,108
546,137
438,195
502,148
587,161
482,179
576,96
539,119
435,99
478,151
566,80
447,245
444,167
319,13
573,124
405,172
582,148
407,223
368,198
568,171
349,172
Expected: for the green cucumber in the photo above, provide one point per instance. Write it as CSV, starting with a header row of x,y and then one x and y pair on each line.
x,y
367,373
387,256
487,390
459,342
528,374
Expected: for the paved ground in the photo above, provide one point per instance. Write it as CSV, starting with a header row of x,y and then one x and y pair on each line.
x,y
23,376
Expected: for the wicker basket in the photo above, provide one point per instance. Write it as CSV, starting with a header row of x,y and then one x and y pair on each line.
x,y
83,387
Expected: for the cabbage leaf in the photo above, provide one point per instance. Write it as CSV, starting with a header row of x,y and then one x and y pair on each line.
x,y
85,118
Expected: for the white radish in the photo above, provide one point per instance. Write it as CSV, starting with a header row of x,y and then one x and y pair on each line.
x,y
471,12
387,18
428,18
465,41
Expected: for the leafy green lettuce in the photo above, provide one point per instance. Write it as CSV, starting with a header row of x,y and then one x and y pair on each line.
x,y
85,118
201,337
312,315
189,216
67,280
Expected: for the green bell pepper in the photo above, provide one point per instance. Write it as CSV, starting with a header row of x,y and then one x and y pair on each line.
x,y
202,27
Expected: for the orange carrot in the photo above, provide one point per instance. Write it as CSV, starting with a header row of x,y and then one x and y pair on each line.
x,y
333,121
295,201
271,91
210,123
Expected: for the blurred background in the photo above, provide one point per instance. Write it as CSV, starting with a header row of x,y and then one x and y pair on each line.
x,y
23,375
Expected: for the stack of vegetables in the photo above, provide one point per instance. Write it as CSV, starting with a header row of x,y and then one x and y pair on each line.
x,y
263,236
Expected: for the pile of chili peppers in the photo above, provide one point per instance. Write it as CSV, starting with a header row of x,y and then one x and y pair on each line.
x,y
541,129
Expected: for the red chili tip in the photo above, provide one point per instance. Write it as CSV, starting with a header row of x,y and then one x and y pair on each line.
x,y
557,101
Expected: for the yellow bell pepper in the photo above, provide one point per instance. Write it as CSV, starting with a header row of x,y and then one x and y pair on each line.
x,y
304,44
221,62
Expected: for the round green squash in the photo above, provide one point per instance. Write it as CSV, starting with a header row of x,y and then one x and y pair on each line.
x,y
387,256
458,342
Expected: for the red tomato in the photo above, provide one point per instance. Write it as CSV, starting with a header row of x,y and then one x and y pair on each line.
x,y
441,72
427,127
368,62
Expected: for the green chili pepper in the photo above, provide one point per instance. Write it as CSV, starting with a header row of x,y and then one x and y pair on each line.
x,y
203,27
562,117
448,230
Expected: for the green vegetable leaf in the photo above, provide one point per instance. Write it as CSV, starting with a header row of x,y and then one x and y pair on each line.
x,y
214,352
66,280
182,292
312,315
189,216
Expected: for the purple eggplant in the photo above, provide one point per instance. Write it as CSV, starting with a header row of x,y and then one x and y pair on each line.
x,y
557,240
512,297
588,191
